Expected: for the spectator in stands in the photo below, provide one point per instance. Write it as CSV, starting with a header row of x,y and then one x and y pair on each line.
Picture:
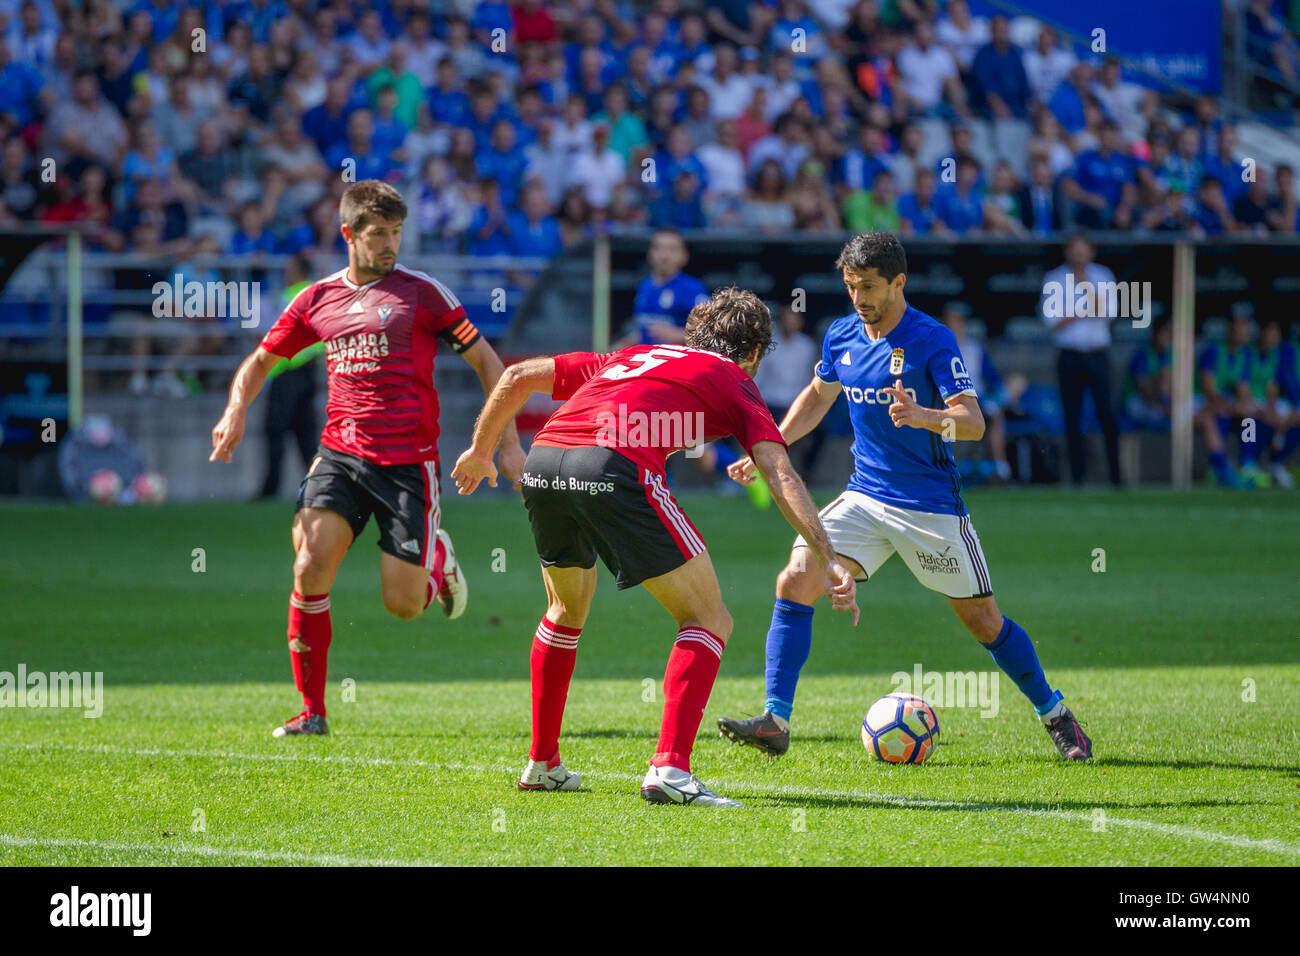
x,y
1184,169
1211,216
1122,101
326,125
960,205
928,76
1047,66
533,230
729,92
1103,184
1039,203
1225,166
724,175
357,156
999,75
440,210
389,130
1069,100
1252,207
1050,143
627,132
599,169
993,396
575,217
289,153
876,210
810,200
869,157
252,236
784,374
766,209
1083,343
916,212
503,161
1284,216
681,207
1269,42
20,184
1002,203
87,204
177,120
787,146
1148,398
962,34
488,233
86,128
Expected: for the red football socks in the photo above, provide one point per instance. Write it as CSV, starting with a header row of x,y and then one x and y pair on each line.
x,y
688,681
309,644
555,649
435,576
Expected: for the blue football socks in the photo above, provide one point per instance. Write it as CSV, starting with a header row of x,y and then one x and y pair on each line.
x,y
1013,651
789,641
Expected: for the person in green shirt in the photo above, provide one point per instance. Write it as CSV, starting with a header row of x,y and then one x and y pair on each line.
x,y
407,85
874,211
627,133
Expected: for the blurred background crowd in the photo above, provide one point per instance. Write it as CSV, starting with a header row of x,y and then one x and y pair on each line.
x,y
516,128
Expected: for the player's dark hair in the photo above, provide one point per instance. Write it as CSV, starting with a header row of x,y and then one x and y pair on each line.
x,y
370,199
874,250
733,322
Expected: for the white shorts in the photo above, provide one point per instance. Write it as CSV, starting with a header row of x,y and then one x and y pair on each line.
x,y
943,551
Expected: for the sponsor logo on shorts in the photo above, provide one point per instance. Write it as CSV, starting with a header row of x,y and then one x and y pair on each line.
x,y
410,547
941,563
559,483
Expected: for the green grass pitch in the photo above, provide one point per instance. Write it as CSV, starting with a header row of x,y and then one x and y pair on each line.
x,y
1181,659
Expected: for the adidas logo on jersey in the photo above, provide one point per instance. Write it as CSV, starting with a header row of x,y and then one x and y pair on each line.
x,y
847,360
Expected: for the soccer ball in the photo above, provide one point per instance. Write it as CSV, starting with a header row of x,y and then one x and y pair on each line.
x,y
900,728
105,485
150,488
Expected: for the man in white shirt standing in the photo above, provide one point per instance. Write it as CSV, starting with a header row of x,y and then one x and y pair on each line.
x,y
1080,322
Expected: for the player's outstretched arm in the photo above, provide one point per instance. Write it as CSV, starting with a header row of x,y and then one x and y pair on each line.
x,y
792,498
483,358
512,389
229,429
809,408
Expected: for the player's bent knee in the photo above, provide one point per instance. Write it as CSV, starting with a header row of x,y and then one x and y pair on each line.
x,y
404,607
798,581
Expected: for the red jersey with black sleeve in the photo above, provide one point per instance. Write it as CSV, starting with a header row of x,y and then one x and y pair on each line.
x,y
648,401
380,343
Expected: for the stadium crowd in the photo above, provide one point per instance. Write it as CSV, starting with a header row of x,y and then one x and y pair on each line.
x,y
515,129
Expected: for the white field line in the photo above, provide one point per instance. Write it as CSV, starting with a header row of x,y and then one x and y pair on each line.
x,y
203,850
1270,845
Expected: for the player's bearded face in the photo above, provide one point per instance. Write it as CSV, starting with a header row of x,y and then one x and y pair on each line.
x,y
374,247
873,298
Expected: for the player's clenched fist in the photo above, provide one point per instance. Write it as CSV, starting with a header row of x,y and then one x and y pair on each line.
x,y
472,469
742,471
903,410
226,434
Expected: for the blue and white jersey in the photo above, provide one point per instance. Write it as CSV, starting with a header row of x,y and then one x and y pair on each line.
x,y
906,467
670,301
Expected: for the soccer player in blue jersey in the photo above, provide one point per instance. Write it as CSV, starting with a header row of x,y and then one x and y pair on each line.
x,y
909,395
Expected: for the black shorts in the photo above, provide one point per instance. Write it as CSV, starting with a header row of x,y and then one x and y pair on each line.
x,y
584,502
403,499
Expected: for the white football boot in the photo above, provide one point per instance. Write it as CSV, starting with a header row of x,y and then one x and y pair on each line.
x,y
454,593
670,785
537,777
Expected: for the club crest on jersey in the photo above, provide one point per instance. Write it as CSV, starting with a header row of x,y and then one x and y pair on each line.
x,y
896,362
384,312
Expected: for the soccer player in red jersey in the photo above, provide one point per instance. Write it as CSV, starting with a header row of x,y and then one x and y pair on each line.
x,y
594,485
381,324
